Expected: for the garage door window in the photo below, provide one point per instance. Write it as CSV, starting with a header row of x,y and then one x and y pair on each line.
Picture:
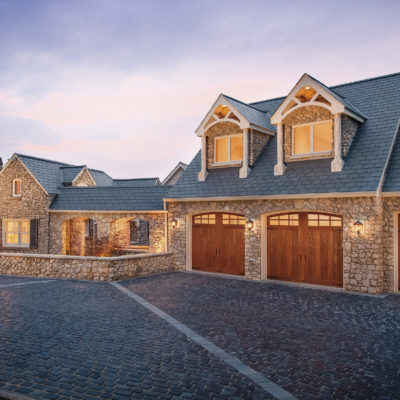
x,y
324,220
205,219
231,219
284,219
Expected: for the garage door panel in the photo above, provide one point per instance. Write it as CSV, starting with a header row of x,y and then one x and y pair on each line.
x,y
232,250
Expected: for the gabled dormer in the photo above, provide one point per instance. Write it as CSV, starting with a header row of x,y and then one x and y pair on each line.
x,y
314,122
233,135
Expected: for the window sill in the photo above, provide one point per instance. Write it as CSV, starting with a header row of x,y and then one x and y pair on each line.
x,y
19,248
227,164
312,155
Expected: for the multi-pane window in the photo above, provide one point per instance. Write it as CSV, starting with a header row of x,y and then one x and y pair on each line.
x,y
16,190
324,220
284,219
205,219
232,219
16,232
312,138
228,148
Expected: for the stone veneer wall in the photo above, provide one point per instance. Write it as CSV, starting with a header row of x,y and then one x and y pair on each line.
x,y
349,129
112,230
84,179
304,115
258,141
89,268
33,204
220,129
362,255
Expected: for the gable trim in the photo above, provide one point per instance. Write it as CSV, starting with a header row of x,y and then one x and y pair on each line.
x,y
15,157
80,173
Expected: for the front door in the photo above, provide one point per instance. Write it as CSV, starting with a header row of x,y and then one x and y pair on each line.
x,y
218,243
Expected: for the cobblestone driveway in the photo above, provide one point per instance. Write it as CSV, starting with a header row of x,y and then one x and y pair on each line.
x,y
316,344
87,340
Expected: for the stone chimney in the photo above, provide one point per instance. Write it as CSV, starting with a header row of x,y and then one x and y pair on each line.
x,y
1,163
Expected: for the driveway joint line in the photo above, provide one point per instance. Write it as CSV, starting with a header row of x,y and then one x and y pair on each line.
x,y
25,283
266,384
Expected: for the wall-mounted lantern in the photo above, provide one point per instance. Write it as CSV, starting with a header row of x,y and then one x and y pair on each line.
x,y
174,222
359,225
250,224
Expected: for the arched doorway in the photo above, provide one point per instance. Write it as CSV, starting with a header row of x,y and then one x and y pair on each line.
x,y
305,247
79,235
218,243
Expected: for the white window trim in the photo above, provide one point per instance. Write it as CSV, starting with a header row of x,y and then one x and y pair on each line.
x,y
312,153
229,162
4,244
13,187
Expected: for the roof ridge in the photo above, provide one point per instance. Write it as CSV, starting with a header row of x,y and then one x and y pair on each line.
x,y
109,187
44,159
242,102
73,166
135,179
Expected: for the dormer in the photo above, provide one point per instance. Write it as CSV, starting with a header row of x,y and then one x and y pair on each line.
x,y
233,135
314,122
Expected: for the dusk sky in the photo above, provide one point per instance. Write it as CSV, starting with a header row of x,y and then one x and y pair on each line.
x,y
122,85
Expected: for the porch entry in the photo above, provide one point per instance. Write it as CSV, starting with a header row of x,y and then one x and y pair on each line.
x,y
218,243
305,247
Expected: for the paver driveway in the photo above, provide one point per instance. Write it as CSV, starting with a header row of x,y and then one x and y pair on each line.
x,y
71,339
316,344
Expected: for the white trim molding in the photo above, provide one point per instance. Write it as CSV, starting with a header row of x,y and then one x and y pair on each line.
x,y
245,170
337,162
280,166
81,172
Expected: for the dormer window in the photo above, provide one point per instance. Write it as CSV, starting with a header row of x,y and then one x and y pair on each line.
x,y
16,188
228,149
312,139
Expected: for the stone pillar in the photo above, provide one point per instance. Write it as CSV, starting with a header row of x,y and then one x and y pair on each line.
x,y
280,167
203,173
245,170
337,162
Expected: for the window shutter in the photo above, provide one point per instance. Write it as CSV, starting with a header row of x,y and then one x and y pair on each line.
x,y
34,234
90,228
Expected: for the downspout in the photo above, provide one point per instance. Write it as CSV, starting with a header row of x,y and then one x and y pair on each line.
x,y
379,200
166,226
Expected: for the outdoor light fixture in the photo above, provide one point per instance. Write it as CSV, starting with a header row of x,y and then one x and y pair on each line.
x,y
174,222
250,223
359,226
307,87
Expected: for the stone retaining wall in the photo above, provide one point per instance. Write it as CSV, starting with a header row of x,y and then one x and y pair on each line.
x,y
89,268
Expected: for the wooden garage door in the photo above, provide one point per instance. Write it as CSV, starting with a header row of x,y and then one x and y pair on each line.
x,y
305,247
218,243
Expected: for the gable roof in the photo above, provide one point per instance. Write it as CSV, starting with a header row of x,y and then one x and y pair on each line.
x,y
69,173
137,182
378,98
110,198
171,175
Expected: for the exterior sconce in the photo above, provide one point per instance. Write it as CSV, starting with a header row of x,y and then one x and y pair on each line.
x,y
250,224
174,222
359,226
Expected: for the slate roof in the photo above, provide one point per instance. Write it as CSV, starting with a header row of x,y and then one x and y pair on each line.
x,y
392,181
139,182
252,114
109,198
377,98
68,174
47,172
101,178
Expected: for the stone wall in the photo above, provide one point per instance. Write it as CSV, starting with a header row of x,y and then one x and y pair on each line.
x,y
89,268
258,141
362,255
112,230
349,129
220,129
33,204
84,179
304,115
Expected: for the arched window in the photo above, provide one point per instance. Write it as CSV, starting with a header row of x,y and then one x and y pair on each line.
x,y
139,232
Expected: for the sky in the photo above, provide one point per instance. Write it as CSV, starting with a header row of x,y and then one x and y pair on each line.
x,y
122,85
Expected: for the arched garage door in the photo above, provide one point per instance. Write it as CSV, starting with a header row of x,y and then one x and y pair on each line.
x,y
218,243
305,247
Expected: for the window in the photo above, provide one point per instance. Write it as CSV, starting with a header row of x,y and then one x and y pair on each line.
x,y
232,219
139,235
324,220
284,220
16,192
204,219
229,149
16,232
312,138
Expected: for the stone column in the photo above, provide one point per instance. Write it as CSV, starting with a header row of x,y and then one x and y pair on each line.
x,y
245,170
280,167
203,173
337,162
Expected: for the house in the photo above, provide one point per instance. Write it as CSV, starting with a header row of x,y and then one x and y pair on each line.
x,y
50,207
302,188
